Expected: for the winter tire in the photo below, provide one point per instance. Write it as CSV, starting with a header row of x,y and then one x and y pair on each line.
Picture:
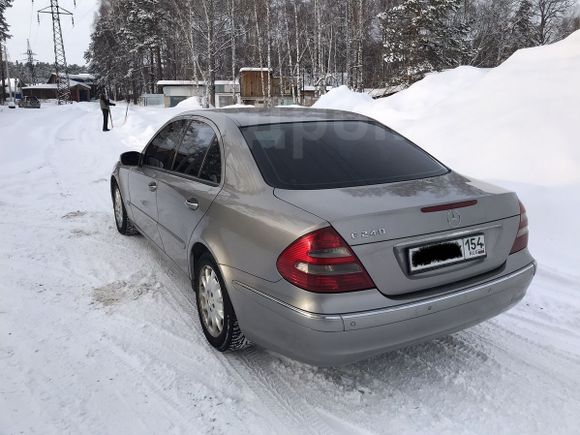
x,y
124,225
216,313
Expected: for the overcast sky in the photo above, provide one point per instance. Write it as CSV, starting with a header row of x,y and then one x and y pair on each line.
x,y
23,24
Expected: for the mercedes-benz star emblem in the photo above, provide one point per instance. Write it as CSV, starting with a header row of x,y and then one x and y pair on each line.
x,y
453,218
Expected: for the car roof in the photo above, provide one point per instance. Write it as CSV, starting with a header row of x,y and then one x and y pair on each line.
x,y
258,116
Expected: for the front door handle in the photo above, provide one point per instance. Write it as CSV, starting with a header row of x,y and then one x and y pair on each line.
x,y
192,203
153,186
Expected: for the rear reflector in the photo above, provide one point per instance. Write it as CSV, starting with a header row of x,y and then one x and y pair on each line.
x,y
322,262
449,206
521,240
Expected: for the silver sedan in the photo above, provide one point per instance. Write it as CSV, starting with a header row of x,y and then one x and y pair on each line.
x,y
321,234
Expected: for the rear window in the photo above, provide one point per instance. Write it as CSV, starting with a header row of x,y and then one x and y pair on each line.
x,y
333,154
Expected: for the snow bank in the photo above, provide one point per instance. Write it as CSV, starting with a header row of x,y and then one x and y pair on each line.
x,y
191,103
343,98
238,105
517,122
517,125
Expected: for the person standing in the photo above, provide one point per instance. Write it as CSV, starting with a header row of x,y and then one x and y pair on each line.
x,y
105,104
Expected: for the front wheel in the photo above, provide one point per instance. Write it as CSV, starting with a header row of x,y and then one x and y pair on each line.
x,y
124,225
216,313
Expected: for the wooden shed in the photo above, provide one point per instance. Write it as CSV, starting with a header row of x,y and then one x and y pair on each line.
x,y
251,85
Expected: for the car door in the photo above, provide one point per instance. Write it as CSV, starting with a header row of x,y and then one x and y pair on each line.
x,y
185,193
158,157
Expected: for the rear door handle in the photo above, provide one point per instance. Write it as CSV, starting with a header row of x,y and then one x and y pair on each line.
x,y
153,186
192,203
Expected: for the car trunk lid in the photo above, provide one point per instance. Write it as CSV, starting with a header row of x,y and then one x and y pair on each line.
x,y
382,222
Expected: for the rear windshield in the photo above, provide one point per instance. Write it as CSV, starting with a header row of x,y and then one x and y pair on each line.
x,y
332,154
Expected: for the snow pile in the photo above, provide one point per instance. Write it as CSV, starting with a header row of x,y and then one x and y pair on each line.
x,y
344,99
517,125
517,122
191,103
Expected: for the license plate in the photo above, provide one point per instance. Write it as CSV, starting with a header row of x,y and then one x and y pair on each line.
x,y
446,253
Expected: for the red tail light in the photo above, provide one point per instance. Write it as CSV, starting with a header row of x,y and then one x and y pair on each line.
x,y
322,262
521,241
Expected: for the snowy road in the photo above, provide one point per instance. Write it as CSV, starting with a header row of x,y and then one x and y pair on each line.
x,y
99,334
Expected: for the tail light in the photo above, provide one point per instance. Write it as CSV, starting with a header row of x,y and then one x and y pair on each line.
x,y
322,262
521,241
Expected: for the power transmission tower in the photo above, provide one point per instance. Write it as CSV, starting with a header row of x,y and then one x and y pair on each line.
x,y
63,93
30,60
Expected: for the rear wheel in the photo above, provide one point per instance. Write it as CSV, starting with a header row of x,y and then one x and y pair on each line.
x,y
216,313
124,225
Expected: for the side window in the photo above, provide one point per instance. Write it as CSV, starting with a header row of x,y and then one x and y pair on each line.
x,y
197,140
161,150
212,165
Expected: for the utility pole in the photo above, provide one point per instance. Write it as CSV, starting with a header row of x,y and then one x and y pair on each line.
x,y
63,93
30,60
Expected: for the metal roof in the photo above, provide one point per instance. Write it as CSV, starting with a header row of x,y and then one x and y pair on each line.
x,y
72,84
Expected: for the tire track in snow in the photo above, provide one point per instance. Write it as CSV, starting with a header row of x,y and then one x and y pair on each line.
x,y
291,413
518,347
250,366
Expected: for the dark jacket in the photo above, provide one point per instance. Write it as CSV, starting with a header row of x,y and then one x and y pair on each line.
x,y
105,103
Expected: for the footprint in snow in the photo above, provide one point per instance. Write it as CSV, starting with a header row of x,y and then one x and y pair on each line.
x,y
79,232
73,214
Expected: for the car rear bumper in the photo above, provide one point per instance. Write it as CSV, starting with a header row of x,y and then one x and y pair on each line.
x,y
335,339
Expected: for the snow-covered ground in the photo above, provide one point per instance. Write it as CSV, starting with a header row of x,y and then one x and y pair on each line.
x,y
99,334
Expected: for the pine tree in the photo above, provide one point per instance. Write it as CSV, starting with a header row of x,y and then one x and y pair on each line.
x,y
522,31
4,26
422,36
4,4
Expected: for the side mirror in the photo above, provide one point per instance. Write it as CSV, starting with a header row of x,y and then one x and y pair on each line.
x,y
130,158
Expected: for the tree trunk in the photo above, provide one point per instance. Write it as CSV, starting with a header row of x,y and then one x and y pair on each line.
x,y
319,56
348,31
159,66
233,43
298,81
269,60
359,56
2,66
151,73
293,83
259,41
210,81
328,64
280,66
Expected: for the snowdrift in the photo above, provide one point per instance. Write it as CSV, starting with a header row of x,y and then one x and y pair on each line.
x,y
517,125
517,122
